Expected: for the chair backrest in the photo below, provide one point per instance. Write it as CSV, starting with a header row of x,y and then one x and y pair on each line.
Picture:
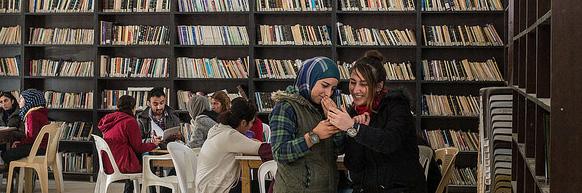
x,y
102,146
425,154
185,160
53,131
266,133
447,157
264,169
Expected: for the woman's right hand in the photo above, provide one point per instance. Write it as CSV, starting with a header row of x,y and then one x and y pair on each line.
x,y
325,129
363,119
156,140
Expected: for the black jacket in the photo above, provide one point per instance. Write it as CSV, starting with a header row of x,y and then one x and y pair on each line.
x,y
383,157
13,120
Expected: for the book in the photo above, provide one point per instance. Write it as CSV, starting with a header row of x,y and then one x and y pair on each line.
x,y
66,6
465,35
62,68
465,5
372,36
133,67
293,5
60,36
447,105
264,101
212,68
136,6
294,35
9,6
208,5
76,131
461,70
10,66
60,100
10,35
394,71
213,35
377,5
112,34
278,69
74,162
464,141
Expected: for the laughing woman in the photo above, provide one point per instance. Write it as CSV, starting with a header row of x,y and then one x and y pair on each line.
x,y
381,150
304,144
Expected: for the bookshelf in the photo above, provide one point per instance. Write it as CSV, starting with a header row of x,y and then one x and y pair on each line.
x,y
251,18
541,55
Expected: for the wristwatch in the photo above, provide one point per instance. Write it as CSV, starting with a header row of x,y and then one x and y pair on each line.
x,y
353,131
314,137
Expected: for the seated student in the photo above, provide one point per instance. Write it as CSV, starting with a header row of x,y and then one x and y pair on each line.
x,y
9,111
157,117
34,116
199,109
218,171
257,130
121,132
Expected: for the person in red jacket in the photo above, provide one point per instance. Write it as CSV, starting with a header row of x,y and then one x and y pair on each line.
x,y
123,135
34,115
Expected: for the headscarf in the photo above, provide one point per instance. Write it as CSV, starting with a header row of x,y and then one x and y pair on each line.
x,y
197,104
32,98
311,71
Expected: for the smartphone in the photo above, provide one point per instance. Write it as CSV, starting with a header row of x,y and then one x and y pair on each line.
x,y
337,93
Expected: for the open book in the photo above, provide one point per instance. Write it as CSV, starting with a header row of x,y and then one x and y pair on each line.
x,y
172,134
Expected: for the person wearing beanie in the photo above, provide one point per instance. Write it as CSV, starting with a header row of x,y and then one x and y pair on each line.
x,y
34,115
304,144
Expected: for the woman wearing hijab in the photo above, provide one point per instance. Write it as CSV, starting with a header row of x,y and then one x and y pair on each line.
x,y
34,115
303,143
199,109
381,150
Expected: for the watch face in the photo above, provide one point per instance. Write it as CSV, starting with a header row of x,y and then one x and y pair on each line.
x,y
352,132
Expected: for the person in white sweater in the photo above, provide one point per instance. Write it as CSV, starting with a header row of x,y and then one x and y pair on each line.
x,y
218,171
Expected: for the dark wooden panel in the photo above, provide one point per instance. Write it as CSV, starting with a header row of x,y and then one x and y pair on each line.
x,y
390,55
531,14
530,130
543,62
379,21
566,107
530,62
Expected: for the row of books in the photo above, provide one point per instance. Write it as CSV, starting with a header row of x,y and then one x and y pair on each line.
x,y
461,5
77,163
64,68
49,6
464,176
294,35
111,97
183,97
133,67
10,35
9,66
464,141
461,35
464,70
136,6
264,101
377,5
213,35
60,36
66,100
394,71
372,36
77,131
443,105
133,34
212,68
9,6
294,5
278,69
213,5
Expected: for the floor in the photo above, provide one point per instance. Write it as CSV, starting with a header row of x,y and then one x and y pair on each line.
x,y
73,187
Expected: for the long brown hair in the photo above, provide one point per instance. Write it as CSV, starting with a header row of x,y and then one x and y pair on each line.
x,y
372,70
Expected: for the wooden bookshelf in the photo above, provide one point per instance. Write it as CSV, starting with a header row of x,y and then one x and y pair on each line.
x,y
541,56
251,20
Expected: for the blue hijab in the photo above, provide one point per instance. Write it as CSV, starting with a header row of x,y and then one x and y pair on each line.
x,y
311,71
32,98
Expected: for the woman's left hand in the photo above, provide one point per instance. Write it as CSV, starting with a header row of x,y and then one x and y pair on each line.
x,y
340,118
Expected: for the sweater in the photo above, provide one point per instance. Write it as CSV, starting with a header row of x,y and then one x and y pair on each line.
x,y
201,125
217,170
34,120
122,134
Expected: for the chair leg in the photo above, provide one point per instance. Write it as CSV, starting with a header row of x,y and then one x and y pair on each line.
x,y
43,178
58,176
136,186
98,184
9,180
28,180
20,181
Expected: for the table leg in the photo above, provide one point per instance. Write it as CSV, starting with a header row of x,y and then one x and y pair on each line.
x,y
245,176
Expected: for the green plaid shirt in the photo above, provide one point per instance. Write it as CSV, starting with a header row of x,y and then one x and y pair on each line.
x,y
287,146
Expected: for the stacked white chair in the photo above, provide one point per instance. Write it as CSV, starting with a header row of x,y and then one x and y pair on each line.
x,y
185,161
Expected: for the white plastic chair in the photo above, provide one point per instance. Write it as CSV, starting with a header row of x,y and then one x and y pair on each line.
x,y
151,179
425,156
266,133
103,179
185,161
264,169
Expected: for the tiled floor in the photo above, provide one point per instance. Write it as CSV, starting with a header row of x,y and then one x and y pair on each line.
x,y
73,187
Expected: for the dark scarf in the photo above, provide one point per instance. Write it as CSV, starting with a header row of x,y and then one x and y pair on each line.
x,y
361,109
7,113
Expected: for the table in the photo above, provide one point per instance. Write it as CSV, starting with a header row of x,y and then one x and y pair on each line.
x,y
167,163
254,162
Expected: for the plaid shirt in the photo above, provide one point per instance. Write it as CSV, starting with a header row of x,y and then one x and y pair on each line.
x,y
287,147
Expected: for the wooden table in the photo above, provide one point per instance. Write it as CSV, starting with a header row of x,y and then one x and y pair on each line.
x,y
254,162
167,163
